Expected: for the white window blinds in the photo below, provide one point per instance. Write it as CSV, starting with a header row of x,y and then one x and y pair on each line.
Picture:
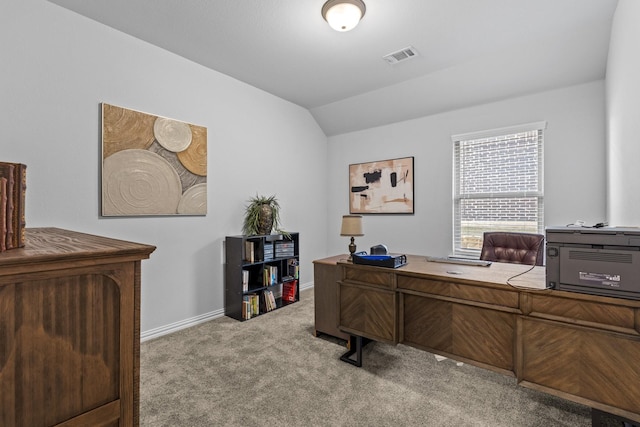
x,y
498,184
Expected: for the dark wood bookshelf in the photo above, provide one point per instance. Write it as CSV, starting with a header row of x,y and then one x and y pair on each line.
x,y
276,253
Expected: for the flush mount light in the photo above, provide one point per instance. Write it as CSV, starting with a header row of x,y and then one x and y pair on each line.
x,y
343,15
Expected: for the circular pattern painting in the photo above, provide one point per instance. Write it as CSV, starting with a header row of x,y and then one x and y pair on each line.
x,y
171,134
194,157
194,200
136,182
152,165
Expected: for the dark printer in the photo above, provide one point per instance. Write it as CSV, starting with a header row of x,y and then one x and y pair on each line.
x,y
600,261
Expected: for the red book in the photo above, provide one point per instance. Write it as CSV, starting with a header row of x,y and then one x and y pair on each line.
x,y
289,291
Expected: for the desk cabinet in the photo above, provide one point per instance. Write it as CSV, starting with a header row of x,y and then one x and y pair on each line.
x,y
469,322
368,303
70,330
582,345
458,330
326,275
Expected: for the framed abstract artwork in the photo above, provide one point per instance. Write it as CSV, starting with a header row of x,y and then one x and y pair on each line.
x,y
381,187
152,165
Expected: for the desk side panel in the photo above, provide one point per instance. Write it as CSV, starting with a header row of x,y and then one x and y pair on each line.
x,y
368,312
593,364
325,293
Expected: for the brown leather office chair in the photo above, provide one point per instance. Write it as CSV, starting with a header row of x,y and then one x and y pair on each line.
x,y
517,248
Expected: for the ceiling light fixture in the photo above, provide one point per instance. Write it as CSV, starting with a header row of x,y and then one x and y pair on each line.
x,y
343,15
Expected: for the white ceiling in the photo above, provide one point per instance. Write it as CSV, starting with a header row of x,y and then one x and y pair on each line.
x,y
470,51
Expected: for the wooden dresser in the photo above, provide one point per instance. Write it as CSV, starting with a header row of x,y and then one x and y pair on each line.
x,y
70,330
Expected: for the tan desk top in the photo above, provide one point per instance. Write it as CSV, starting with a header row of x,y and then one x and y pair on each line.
x,y
496,273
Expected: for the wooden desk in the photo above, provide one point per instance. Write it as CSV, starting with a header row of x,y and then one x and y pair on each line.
x,y
583,348
70,330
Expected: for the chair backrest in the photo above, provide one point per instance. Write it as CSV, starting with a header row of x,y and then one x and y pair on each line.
x,y
517,248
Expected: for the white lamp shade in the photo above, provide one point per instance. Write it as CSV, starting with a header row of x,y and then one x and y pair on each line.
x,y
343,16
351,225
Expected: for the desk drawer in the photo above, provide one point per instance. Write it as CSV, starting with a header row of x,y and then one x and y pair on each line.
x,y
372,277
474,293
581,311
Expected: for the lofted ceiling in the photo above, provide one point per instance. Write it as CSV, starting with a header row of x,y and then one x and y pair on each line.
x,y
470,52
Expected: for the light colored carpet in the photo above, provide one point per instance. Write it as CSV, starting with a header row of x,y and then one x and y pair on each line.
x,y
271,370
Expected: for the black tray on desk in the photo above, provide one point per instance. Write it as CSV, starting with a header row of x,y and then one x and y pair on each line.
x,y
391,260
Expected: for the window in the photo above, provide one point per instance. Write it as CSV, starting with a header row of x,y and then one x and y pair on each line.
x,y
498,184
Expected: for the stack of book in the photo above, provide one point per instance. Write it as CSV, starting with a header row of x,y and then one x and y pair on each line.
x,y
249,251
250,306
13,186
268,251
269,300
270,275
284,249
294,269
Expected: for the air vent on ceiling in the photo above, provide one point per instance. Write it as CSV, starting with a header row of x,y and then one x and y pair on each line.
x,y
401,55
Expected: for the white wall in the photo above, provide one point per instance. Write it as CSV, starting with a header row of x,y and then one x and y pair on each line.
x,y
57,67
574,170
623,123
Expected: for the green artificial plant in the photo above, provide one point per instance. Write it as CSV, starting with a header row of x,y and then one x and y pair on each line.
x,y
262,215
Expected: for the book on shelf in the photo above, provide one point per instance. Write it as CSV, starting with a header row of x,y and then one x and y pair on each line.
x,y
245,280
18,187
249,251
289,290
255,304
269,300
269,275
294,269
3,214
285,249
267,252
272,299
276,290
246,309
250,306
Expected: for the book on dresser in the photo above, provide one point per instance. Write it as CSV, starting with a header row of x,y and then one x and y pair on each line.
x,y
16,176
257,269
3,214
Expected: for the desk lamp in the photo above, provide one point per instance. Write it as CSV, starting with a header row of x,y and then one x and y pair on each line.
x,y
351,226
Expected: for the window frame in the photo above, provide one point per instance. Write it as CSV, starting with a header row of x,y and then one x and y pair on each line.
x,y
457,196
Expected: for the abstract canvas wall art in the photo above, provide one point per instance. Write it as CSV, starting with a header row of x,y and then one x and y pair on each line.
x,y
152,165
382,187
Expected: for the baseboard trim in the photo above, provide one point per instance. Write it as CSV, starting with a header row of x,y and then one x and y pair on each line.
x,y
177,326
188,323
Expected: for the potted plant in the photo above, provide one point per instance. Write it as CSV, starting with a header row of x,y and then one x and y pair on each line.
x,y
262,215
